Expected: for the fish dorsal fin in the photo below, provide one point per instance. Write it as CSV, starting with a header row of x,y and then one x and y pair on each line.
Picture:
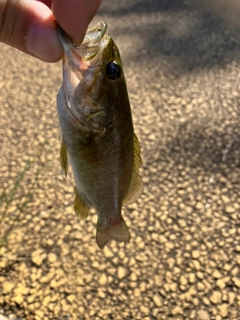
x,y
136,184
64,157
81,208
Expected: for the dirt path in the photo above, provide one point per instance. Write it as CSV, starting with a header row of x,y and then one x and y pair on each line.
x,y
183,262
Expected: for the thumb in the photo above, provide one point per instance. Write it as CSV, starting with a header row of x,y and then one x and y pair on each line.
x,y
30,27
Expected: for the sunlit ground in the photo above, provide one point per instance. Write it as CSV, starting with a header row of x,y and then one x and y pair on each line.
x,y
182,66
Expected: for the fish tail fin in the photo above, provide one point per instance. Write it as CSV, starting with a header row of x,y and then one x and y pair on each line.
x,y
115,229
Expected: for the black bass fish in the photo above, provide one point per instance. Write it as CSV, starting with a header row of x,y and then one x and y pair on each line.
x,y
97,132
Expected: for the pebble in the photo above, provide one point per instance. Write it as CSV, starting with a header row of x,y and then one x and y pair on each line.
x,y
103,279
230,209
216,297
144,309
71,298
38,256
235,271
220,283
203,315
121,272
18,299
225,199
183,280
157,299
200,286
52,257
216,274
236,281
192,277
7,286
177,310
231,297
195,254
107,252
223,309
21,289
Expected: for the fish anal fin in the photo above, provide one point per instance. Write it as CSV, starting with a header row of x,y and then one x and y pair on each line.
x,y
81,208
136,184
116,229
64,158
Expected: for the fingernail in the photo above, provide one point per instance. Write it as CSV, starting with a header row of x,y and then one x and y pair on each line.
x,y
44,43
78,41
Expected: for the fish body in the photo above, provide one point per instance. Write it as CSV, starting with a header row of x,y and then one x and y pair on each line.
x,y
97,132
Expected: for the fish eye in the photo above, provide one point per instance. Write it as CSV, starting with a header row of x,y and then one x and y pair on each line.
x,y
113,70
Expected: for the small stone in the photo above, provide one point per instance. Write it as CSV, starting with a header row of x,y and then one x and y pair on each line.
x,y
195,254
136,292
203,315
144,309
200,286
217,274
220,284
199,206
200,275
177,310
237,248
122,272
157,300
216,297
7,286
236,281
46,300
107,252
235,271
71,298
40,314
18,299
169,245
133,276
38,256
21,289
52,257
231,297
225,199
183,280
162,239
206,301
31,299
103,279
192,277
101,294
196,264
223,309
230,209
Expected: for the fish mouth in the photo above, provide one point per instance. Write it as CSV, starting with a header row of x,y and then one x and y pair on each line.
x,y
94,42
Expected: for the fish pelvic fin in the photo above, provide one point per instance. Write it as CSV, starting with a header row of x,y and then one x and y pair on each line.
x,y
81,207
64,157
136,183
116,229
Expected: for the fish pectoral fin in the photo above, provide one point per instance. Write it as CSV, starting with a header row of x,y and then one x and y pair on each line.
x,y
64,157
117,231
136,184
81,207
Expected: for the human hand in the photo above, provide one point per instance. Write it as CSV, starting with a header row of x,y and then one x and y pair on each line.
x,y
29,25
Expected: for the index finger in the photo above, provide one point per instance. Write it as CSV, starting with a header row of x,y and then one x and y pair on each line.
x,y
74,16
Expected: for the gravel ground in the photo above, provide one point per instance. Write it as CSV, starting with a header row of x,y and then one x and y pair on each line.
x,y
183,261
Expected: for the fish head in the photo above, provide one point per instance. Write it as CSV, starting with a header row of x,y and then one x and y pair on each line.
x,y
92,76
